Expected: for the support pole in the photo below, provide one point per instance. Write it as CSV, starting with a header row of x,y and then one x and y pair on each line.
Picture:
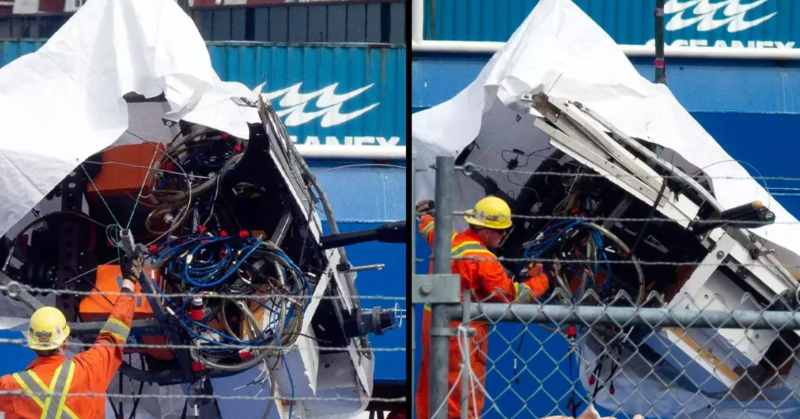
x,y
660,62
465,307
440,320
631,316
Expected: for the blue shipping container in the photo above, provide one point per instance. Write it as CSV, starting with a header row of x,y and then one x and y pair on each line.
x,y
331,94
327,94
713,23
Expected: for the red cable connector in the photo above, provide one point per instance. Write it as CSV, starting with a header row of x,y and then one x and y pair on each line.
x,y
571,332
197,367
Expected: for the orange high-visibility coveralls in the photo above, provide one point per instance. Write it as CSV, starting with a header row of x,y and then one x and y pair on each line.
x,y
88,372
487,280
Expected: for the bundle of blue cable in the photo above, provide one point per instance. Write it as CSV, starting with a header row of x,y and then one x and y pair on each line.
x,y
255,276
554,233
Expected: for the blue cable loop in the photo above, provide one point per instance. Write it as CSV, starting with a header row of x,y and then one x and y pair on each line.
x,y
207,271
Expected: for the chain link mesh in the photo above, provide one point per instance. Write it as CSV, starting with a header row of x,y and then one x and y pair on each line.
x,y
634,367
723,350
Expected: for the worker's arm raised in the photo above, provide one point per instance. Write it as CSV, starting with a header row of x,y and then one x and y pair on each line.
x,y
104,358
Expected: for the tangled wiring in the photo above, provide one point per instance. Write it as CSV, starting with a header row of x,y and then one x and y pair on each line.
x,y
253,268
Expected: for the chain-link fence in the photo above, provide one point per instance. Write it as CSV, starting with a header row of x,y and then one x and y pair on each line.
x,y
620,332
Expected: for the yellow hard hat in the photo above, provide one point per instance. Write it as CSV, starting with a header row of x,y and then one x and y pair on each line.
x,y
490,212
48,329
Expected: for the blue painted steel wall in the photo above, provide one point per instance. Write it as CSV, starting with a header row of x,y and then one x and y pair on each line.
x,y
364,197
627,21
751,108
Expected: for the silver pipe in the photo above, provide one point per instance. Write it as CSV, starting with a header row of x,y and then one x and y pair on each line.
x,y
632,316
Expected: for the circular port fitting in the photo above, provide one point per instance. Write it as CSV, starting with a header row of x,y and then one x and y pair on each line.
x,y
13,288
468,168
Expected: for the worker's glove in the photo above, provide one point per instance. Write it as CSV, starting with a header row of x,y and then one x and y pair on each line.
x,y
533,284
554,270
132,267
531,271
425,207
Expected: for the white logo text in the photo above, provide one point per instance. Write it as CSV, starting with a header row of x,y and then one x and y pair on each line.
x,y
328,103
365,140
704,11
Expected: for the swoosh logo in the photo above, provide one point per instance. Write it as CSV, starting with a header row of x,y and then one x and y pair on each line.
x,y
328,103
704,12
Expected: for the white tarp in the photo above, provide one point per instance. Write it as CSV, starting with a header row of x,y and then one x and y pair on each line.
x,y
64,102
560,50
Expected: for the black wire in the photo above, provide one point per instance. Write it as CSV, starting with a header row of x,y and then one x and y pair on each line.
x,y
185,406
310,337
136,400
111,402
597,371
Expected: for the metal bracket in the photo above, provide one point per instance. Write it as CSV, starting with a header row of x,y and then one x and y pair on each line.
x,y
436,289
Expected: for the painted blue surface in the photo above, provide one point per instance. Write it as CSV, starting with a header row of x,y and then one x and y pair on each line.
x,y
347,69
363,192
699,85
390,363
19,356
343,94
751,108
629,22
364,197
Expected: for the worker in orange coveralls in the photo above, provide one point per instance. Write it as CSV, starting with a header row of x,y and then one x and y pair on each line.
x,y
44,385
488,223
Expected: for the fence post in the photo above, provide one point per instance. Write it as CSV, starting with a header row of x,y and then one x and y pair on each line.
x,y
440,320
465,366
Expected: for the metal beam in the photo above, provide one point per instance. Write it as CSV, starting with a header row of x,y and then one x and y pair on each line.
x,y
630,316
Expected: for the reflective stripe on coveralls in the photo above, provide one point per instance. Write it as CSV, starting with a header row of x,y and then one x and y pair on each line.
x,y
116,328
33,386
525,296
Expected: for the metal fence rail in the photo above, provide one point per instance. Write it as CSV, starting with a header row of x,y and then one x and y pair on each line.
x,y
591,358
